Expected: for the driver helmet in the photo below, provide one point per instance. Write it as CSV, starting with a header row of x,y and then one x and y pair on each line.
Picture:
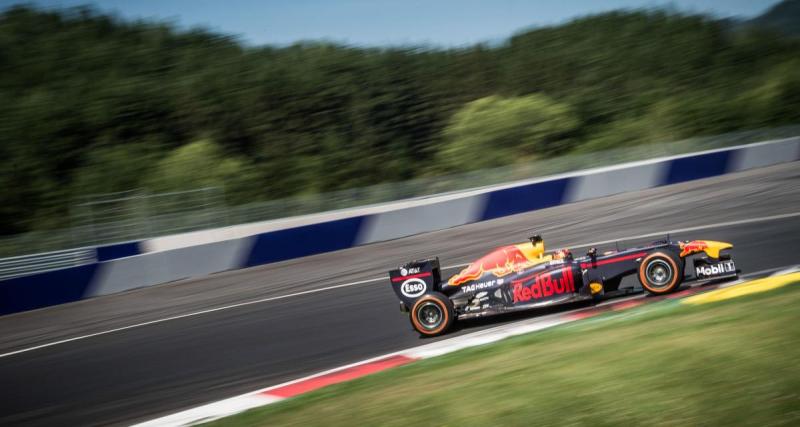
x,y
562,254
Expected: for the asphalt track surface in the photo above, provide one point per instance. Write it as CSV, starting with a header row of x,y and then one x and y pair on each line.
x,y
154,369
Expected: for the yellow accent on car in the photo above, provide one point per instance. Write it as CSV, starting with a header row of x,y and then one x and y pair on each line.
x,y
747,288
710,247
713,249
533,252
595,288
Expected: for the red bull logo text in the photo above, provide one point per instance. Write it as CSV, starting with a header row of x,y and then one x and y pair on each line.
x,y
499,262
545,285
693,247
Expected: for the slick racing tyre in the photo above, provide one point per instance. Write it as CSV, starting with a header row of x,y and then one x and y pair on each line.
x,y
661,272
432,314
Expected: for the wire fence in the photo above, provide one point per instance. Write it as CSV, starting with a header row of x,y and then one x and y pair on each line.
x,y
136,215
423,187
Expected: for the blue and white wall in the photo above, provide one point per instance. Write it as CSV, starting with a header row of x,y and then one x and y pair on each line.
x,y
136,264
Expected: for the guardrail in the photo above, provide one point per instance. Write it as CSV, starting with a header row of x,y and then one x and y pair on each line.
x,y
136,215
161,260
29,264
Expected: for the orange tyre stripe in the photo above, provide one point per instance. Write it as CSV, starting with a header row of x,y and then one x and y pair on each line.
x,y
419,327
643,279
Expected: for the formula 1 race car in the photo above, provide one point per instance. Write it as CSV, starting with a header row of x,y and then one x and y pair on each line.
x,y
523,276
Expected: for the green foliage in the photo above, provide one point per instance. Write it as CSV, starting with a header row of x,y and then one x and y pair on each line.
x,y
92,104
781,17
663,364
110,169
777,98
620,133
495,131
202,164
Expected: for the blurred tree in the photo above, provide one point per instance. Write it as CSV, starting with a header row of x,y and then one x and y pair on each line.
x,y
777,99
495,131
91,103
109,169
623,132
202,164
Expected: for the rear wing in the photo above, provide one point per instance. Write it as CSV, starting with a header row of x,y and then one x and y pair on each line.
x,y
415,279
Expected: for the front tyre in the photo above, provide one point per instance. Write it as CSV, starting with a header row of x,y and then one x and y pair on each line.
x,y
661,272
432,314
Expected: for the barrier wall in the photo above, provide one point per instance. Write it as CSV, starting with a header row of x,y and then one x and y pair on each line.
x,y
137,264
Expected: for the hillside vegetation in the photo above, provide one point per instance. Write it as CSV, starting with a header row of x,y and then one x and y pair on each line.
x,y
93,104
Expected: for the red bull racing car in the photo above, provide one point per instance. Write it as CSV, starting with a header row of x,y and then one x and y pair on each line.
x,y
524,276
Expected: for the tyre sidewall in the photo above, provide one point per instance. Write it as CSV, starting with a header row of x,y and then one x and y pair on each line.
x,y
674,262
445,305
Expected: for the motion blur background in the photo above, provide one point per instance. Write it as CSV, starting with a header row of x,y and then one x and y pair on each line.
x,y
123,120
126,120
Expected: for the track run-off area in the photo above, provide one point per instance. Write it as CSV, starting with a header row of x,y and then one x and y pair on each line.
x,y
692,294
135,356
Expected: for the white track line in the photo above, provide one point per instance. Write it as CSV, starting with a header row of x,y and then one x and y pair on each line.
x,y
361,282
792,269
196,313
699,227
233,405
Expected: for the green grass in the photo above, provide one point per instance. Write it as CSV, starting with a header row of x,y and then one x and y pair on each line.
x,y
730,363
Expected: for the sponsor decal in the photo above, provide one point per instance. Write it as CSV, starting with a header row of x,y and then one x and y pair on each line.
x,y
413,288
482,285
546,285
477,300
692,247
715,269
406,271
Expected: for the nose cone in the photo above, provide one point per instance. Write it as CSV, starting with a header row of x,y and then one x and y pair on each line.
x,y
710,247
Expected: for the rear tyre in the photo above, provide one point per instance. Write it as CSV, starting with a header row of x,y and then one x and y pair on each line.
x,y
661,272
432,314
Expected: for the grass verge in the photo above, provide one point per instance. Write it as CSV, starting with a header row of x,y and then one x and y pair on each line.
x,y
735,362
